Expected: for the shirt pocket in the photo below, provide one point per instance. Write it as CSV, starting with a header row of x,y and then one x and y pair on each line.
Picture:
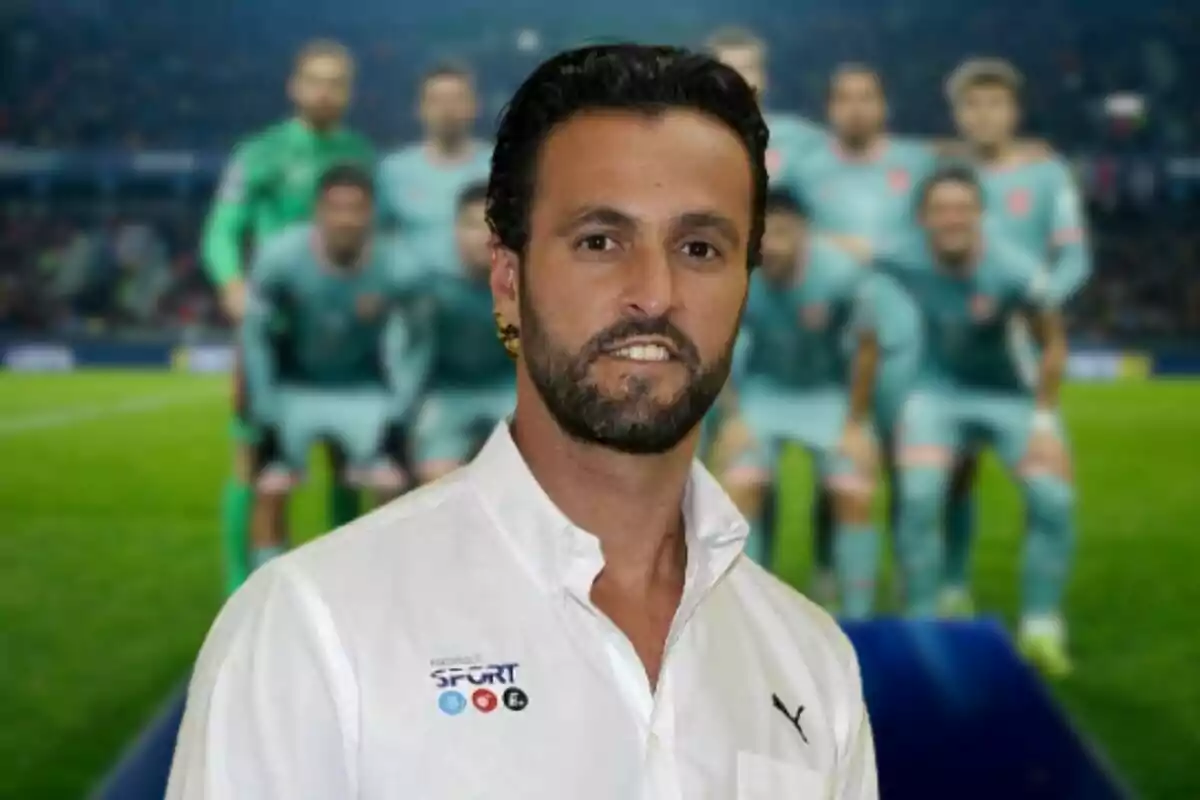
x,y
761,777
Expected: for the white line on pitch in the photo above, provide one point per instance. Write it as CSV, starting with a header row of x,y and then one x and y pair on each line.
x,y
74,416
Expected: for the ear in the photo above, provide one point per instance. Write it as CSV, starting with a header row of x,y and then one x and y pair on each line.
x,y
505,272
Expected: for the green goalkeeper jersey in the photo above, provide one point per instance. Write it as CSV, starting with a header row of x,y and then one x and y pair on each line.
x,y
269,184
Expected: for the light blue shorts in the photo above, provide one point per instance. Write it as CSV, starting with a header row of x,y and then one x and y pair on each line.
x,y
451,421
354,420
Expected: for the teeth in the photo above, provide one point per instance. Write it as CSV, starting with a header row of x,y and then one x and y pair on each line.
x,y
644,352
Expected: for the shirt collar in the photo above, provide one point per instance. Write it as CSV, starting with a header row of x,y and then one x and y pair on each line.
x,y
561,555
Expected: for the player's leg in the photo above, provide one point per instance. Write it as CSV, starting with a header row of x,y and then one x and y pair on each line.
x,y
237,497
279,460
1049,495
443,434
960,532
357,427
345,501
747,477
927,438
897,374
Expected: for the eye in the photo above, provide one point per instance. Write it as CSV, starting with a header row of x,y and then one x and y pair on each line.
x,y
701,251
596,243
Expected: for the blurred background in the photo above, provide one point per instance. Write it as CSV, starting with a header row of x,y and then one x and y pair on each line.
x,y
116,117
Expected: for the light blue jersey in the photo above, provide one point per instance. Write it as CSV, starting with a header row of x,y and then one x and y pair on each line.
x,y
793,139
974,324
1036,206
420,195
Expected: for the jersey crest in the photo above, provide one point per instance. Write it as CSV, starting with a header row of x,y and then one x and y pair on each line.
x,y
1019,202
983,308
774,161
368,306
814,316
899,181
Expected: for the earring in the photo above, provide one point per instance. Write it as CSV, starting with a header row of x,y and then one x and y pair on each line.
x,y
508,334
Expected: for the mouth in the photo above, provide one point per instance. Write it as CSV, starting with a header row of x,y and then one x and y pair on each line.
x,y
644,351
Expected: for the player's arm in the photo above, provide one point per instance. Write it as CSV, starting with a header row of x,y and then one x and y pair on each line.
x,y
256,332
1051,334
1072,260
224,230
272,709
857,441
408,354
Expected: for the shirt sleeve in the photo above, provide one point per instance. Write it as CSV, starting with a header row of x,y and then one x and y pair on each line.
x,y
272,709
1030,282
263,307
1072,257
856,773
221,244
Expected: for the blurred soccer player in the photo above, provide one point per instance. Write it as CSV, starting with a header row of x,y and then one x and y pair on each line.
x,y
471,380
981,380
1033,203
269,184
860,184
793,138
791,387
326,347
421,182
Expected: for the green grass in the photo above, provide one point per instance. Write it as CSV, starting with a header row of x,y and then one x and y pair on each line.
x,y
109,567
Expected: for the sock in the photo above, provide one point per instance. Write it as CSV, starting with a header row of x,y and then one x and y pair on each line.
x,y
857,561
824,552
237,501
960,534
343,504
1048,546
758,544
262,555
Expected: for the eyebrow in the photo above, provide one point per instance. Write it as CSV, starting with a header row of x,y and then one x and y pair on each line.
x,y
692,220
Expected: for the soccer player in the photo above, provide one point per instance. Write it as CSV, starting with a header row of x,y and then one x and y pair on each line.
x,y
792,139
791,387
982,303
326,343
471,384
1032,202
859,183
420,183
268,185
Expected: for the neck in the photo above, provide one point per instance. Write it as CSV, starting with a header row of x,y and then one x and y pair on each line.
x,y
993,154
320,128
450,147
860,148
631,503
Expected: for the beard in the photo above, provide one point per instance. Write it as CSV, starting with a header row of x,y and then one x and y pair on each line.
x,y
634,421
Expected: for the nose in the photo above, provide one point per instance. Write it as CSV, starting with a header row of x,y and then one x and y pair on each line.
x,y
649,289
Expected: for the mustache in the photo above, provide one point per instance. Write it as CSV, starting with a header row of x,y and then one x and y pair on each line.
x,y
630,328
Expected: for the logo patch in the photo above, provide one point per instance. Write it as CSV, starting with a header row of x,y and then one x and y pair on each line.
x,y
368,306
774,161
1019,202
452,703
899,180
982,308
814,316
456,678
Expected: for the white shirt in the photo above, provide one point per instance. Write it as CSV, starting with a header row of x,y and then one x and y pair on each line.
x,y
446,646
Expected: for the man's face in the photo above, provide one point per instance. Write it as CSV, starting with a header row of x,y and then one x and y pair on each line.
x,y
987,115
320,88
344,214
473,236
951,216
634,278
447,107
748,61
783,237
857,110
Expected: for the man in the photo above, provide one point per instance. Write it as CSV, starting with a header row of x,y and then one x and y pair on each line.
x,y
470,386
1033,203
569,616
420,183
981,381
269,185
791,387
327,349
860,184
793,138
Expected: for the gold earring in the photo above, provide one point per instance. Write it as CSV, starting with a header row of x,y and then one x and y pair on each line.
x,y
508,334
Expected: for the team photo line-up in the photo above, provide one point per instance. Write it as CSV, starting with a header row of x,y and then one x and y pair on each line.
x,y
902,315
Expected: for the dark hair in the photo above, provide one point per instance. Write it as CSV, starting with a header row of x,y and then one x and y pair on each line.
x,y
322,48
984,72
645,79
854,68
949,173
783,201
346,174
447,69
733,38
472,193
